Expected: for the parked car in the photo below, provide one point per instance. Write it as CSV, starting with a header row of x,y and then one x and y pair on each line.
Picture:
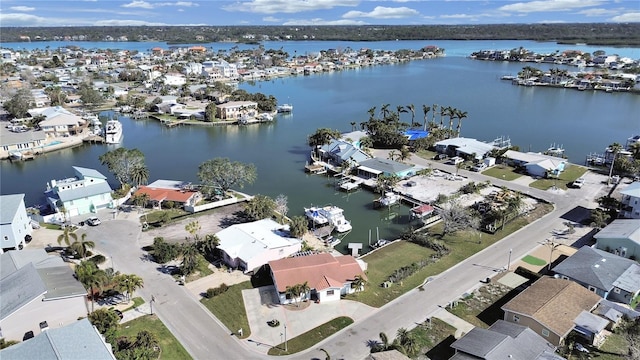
x,y
577,183
440,157
479,167
456,160
93,221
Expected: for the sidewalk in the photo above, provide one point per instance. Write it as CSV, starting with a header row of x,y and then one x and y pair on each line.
x,y
462,327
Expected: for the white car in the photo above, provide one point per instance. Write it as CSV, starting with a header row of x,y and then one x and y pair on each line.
x,y
93,221
479,167
456,160
578,182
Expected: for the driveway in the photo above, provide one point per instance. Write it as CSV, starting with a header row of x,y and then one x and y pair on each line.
x,y
262,306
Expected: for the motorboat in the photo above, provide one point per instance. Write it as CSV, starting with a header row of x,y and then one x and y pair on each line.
x,y
285,108
389,198
15,155
265,117
331,215
332,241
113,132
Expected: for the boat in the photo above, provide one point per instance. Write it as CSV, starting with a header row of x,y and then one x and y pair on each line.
x,y
15,155
265,117
285,108
329,214
332,241
113,132
379,242
389,198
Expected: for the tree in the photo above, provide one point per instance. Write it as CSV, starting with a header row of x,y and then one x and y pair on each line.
x,y
193,228
125,165
298,226
260,207
189,262
460,115
281,206
56,95
128,284
209,244
412,109
358,283
222,174
82,247
406,343
163,251
322,136
385,182
67,235
425,112
18,105
614,149
106,322
139,175
456,217
141,199
599,218
89,96
91,277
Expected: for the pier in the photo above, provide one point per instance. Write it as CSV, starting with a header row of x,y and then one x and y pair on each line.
x,y
93,139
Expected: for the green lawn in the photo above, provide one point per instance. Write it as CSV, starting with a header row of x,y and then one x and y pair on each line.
x,y
137,301
566,177
202,269
503,172
170,347
394,256
614,348
311,337
434,338
229,308
533,260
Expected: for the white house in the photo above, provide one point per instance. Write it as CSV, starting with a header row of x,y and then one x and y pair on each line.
x,y
536,164
37,291
631,201
251,245
86,192
236,109
175,79
621,237
327,276
15,224
464,147
58,121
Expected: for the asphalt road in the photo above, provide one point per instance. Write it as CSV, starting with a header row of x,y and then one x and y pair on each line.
x,y
205,337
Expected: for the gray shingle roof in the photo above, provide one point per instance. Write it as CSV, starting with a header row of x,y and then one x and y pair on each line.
x,y
78,341
19,289
503,340
601,269
8,207
385,165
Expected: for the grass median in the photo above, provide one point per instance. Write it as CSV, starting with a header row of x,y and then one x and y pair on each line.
x,y
462,244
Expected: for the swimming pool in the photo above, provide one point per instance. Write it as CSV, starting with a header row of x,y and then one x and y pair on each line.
x,y
54,143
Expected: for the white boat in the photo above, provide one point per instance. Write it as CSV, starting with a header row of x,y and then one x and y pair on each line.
x,y
389,198
285,108
332,241
331,215
265,117
113,132
15,155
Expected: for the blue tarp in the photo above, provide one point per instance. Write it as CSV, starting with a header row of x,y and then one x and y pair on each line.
x,y
415,134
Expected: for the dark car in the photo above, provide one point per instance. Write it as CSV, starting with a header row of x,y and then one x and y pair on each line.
x,y
28,335
440,157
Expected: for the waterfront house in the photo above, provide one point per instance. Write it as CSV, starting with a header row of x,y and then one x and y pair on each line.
x,y
250,245
15,224
234,110
621,237
536,164
86,192
178,192
327,276
630,201
80,340
464,147
372,168
503,340
610,276
58,121
35,290
552,307
339,151
21,142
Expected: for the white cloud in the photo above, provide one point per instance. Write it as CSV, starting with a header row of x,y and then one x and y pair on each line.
x,y
287,6
178,3
552,21
271,19
138,4
381,12
628,17
20,19
323,22
117,22
549,5
598,12
22,8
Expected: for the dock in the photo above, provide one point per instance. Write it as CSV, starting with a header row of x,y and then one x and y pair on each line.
x,y
315,169
94,139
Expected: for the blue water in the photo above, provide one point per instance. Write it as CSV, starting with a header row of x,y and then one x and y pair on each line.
x,y
54,143
533,118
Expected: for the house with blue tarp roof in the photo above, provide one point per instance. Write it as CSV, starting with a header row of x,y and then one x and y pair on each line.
x,y
413,135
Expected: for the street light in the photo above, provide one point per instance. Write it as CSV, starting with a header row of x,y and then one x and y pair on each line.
x,y
285,339
509,263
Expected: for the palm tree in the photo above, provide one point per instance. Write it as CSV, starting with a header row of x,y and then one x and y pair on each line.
x,y
405,342
140,175
293,292
393,155
353,126
412,109
209,244
425,111
614,148
372,113
384,110
82,247
304,289
443,113
451,113
434,108
128,283
189,258
460,115
91,277
141,199
66,236
358,283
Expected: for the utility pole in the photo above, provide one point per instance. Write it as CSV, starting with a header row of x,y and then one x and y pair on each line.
x,y
285,339
509,263
153,299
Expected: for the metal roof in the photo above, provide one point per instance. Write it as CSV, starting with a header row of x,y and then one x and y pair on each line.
x,y
19,289
9,205
621,229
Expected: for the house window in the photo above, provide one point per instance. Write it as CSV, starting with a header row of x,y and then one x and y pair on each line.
x,y
616,290
591,288
330,292
516,318
545,332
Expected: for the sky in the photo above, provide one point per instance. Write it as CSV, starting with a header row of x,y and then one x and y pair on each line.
x,y
24,13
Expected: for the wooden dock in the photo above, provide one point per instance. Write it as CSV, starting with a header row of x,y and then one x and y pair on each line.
x,y
315,169
94,139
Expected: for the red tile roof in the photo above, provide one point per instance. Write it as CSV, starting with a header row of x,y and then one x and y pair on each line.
x,y
320,271
159,194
